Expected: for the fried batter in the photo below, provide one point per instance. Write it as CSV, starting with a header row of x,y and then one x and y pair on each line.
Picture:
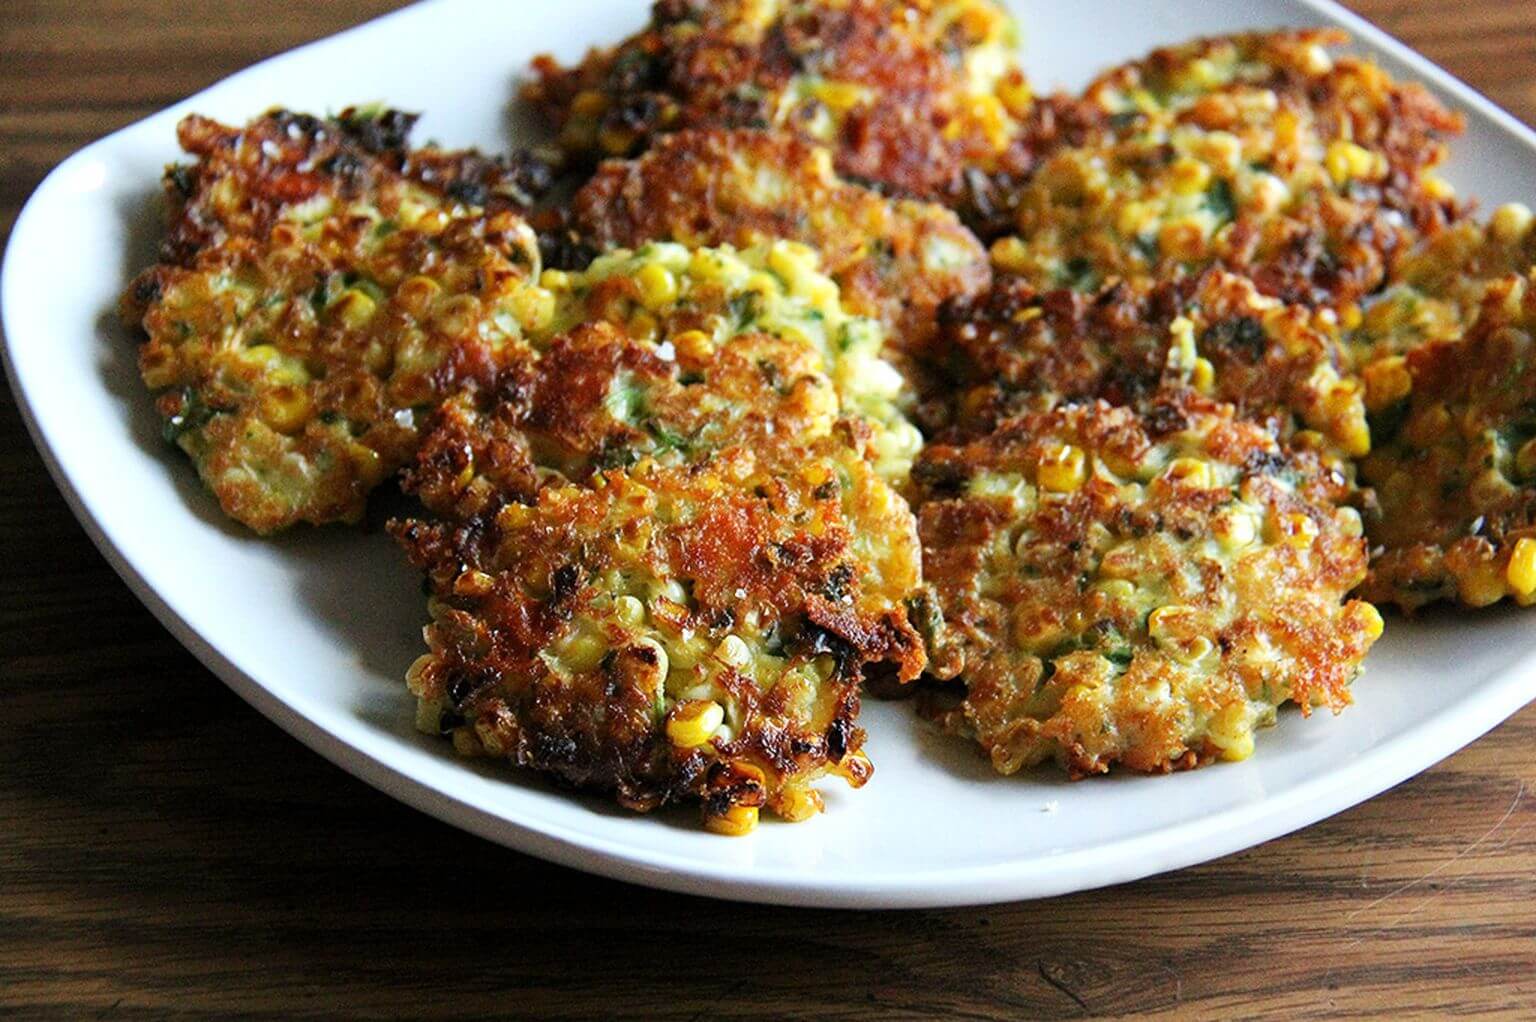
x,y
1454,461
1261,154
322,289
684,629
1016,349
906,93
895,260
1142,589
703,299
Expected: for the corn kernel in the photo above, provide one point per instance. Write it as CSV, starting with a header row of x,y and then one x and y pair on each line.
x,y
1191,472
286,409
416,294
1351,316
1521,572
733,652
1437,187
694,345
616,141
354,308
584,651
589,103
1231,733
839,96
1346,161
1235,530
1203,375
1016,94
1190,176
1387,381
658,287
534,308
1296,530
555,280
796,803
1061,469
693,722
737,821
473,583
1010,254
1511,222
629,611
1369,620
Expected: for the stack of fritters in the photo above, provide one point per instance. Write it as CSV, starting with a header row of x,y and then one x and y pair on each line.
x,y
1237,353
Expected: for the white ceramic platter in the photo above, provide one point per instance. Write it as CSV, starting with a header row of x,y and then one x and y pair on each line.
x,y
316,629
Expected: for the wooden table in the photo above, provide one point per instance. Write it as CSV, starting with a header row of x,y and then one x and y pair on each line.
x,y
165,851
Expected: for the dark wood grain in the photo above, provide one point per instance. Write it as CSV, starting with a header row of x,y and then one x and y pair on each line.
x,y
165,852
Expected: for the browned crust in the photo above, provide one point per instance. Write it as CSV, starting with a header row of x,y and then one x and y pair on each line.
x,y
703,188
1087,697
696,65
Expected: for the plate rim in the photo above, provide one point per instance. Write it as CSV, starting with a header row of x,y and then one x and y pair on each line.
x,y
1173,846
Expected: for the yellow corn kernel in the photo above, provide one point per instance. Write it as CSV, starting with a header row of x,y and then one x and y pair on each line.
x,y
1222,151
354,308
643,326
1521,572
1510,222
629,611
1349,522
1231,733
658,287
589,103
1346,161
1387,381
733,652
1010,254
1202,376
692,723
1296,530
1182,238
584,651
1061,469
513,516
1235,530
286,409
839,96
555,280
616,141
473,583
1016,95
415,295
534,307
1189,176
694,345
1191,472
367,463
1437,187
737,821
1369,619
1350,316
796,803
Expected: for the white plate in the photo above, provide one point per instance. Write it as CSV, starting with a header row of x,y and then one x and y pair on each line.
x,y
316,629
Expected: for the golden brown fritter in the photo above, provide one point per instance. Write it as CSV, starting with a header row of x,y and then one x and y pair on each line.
x,y
906,93
706,298
599,399
1016,349
1437,286
1135,588
1262,154
677,630
895,260
284,166
1454,461
311,308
